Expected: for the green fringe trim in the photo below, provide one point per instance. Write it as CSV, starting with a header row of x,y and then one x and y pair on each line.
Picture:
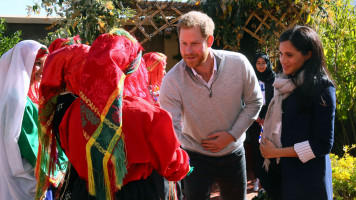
x,y
120,165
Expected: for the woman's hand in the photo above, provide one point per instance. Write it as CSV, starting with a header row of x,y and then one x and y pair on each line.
x,y
268,149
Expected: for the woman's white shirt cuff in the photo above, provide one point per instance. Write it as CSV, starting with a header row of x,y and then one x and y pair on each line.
x,y
304,151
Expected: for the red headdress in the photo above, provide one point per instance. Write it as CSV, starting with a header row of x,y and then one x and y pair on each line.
x,y
112,57
61,42
43,51
62,70
155,64
34,86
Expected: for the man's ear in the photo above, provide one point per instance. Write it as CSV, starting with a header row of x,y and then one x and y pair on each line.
x,y
210,40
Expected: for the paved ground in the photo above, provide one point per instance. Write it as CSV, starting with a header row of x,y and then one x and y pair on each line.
x,y
250,193
250,179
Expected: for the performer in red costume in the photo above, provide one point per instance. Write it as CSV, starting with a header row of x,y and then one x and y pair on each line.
x,y
112,135
156,67
59,89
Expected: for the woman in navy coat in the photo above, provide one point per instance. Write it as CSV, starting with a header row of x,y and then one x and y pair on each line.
x,y
299,125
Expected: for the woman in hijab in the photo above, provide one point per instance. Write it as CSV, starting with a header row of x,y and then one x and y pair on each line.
x,y
20,74
266,76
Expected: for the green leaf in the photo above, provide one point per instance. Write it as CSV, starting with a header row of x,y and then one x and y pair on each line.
x,y
80,11
7,39
330,52
348,54
308,19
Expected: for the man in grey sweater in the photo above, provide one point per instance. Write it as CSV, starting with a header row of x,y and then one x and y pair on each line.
x,y
213,96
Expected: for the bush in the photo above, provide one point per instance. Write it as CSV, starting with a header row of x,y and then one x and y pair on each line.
x,y
7,40
89,19
344,175
338,35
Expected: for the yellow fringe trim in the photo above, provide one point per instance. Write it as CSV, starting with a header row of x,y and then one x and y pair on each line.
x,y
106,175
91,183
113,160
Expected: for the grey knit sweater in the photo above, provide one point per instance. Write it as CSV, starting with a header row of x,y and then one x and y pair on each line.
x,y
231,104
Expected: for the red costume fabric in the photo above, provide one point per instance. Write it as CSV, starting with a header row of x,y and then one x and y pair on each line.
x,y
149,138
61,70
61,42
111,141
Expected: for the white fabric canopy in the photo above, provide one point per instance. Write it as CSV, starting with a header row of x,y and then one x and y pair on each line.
x,y
17,180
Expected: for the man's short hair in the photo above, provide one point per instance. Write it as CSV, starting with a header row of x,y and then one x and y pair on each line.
x,y
197,19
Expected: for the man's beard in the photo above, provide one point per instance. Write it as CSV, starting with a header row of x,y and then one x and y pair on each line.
x,y
198,61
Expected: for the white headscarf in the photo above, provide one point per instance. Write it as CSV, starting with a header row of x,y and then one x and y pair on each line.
x,y
16,174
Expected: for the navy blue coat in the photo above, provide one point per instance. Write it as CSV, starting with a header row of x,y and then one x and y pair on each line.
x,y
313,179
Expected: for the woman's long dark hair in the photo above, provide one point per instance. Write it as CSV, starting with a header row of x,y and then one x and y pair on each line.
x,y
316,74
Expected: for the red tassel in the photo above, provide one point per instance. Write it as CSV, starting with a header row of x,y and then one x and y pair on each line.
x,y
38,162
54,155
112,176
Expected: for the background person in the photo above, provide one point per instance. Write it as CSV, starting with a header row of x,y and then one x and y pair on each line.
x,y
20,74
266,76
156,68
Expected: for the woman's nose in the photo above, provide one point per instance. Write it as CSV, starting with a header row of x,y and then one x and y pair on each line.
x,y
281,59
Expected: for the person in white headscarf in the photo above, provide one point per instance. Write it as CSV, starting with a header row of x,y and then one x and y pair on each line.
x,y
20,69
